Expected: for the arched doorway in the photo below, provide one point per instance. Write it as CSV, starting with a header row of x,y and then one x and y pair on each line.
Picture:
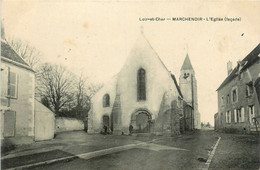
x,y
106,123
141,121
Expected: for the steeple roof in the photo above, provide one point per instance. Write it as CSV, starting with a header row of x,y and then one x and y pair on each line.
x,y
187,64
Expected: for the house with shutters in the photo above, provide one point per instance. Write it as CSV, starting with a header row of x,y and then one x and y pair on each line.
x,y
146,95
23,118
238,106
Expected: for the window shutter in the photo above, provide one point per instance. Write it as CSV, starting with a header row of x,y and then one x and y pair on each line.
x,y
242,114
12,84
249,114
253,113
226,117
235,115
4,81
4,85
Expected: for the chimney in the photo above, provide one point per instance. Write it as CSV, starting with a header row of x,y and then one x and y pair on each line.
x,y
229,67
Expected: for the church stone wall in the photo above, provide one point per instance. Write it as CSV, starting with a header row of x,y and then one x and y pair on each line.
x,y
97,110
158,82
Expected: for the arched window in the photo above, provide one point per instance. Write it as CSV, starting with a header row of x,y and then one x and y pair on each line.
x,y
141,85
106,100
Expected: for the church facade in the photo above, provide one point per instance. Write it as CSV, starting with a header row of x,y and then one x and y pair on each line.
x,y
146,95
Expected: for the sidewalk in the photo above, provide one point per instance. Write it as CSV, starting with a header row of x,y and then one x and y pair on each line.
x,y
67,145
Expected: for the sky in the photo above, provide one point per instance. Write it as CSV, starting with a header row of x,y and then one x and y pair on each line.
x,y
95,38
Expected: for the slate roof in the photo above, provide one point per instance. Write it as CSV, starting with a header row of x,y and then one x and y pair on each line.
x,y
249,60
8,52
187,64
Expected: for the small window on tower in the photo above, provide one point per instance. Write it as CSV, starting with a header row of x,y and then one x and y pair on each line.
x,y
186,75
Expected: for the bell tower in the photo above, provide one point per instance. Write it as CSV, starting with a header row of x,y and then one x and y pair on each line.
x,y
188,85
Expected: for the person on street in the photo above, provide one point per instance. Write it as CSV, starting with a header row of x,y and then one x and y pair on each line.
x,y
131,129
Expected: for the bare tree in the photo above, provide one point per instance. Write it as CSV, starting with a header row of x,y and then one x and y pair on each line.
x,y
29,53
93,89
81,91
55,84
82,100
84,92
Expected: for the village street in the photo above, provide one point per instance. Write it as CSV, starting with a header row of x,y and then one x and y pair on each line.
x,y
79,150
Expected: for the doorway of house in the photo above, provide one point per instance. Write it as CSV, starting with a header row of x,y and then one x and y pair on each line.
x,y
9,123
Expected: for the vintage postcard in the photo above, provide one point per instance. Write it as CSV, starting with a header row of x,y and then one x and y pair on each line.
x,y
130,84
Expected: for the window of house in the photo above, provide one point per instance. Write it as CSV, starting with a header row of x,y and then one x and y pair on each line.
x,y
249,89
106,100
234,95
221,118
228,117
239,117
251,112
12,84
222,100
141,85
228,99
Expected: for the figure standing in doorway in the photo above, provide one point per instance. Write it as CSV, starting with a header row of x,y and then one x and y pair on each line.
x,y
131,129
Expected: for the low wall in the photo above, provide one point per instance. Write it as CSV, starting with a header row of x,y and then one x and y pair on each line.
x,y
68,124
44,122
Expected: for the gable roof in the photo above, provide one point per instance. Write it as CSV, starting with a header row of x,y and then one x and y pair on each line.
x,y
9,55
172,75
187,64
147,41
249,60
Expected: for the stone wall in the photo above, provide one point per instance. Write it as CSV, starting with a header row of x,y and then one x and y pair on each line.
x,y
44,122
124,86
68,124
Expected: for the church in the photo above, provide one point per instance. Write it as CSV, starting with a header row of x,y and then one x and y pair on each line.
x,y
146,95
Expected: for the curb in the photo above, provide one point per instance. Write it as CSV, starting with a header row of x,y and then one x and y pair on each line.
x,y
88,155
85,156
212,153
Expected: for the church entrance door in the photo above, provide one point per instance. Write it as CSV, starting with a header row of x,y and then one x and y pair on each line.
x,y
141,121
